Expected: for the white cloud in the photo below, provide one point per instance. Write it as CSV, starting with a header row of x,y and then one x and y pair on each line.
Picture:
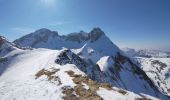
x,y
23,30
58,23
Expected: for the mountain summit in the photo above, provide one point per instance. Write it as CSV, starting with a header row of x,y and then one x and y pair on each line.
x,y
6,46
43,34
45,38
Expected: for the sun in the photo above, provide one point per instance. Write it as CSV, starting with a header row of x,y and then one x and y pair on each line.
x,y
49,3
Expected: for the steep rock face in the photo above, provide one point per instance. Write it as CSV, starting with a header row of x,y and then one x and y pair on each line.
x,y
91,70
95,34
68,57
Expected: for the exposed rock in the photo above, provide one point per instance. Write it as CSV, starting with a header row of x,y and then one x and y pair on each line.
x,y
93,71
95,34
80,37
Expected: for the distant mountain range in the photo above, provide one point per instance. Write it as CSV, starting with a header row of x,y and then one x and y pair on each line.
x,y
146,53
78,66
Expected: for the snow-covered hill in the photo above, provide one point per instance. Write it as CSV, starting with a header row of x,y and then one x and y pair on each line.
x,y
158,69
89,66
145,53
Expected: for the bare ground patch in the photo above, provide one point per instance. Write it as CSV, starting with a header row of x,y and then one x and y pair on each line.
x,y
81,92
50,75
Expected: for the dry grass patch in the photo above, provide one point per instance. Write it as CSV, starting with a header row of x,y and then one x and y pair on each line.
x,y
71,73
142,99
122,91
69,93
50,75
81,92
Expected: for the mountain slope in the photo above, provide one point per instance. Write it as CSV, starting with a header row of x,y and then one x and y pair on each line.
x,y
5,48
158,69
34,74
156,65
92,55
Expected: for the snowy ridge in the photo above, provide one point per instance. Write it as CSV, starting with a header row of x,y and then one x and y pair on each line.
x,y
48,80
6,46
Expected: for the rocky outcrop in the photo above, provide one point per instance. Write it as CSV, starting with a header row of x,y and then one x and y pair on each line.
x,y
68,57
78,37
95,34
91,70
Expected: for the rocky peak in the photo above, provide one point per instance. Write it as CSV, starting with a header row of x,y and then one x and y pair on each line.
x,y
44,32
1,40
68,57
95,34
80,36
4,41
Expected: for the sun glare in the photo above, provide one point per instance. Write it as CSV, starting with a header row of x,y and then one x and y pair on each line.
x,y
48,3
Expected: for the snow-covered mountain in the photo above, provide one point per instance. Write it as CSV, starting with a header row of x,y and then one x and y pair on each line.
x,y
6,46
156,65
77,66
45,38
145,53
158,69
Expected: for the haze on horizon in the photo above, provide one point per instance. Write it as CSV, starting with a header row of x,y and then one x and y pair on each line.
x,y
136,24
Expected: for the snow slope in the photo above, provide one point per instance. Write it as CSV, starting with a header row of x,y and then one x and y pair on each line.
x,y
158,69
20,82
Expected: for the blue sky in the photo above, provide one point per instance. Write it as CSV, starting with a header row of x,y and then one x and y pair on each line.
x,y
128,23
